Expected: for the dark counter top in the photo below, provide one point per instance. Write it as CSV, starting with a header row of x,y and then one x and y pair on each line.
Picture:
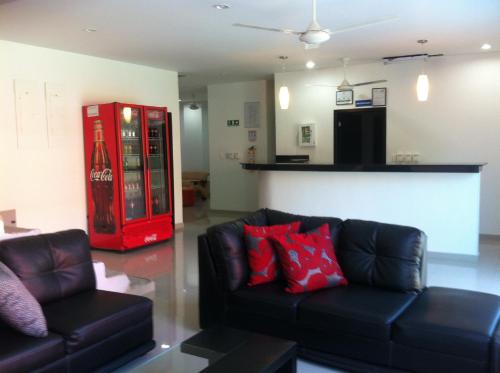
x,y
437,167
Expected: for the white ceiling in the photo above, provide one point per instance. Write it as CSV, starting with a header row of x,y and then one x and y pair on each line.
x,y
192,37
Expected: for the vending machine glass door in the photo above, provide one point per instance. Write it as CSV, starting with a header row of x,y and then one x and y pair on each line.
x,y
132,154
158,161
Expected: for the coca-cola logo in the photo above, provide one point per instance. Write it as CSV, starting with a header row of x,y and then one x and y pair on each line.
x,y
104,175
151,238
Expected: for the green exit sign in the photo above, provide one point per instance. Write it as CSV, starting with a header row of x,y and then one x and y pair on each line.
x,y
233,123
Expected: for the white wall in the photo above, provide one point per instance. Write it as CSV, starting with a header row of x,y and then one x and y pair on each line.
x,y
194,137
443,205
459,123
231,187
46,185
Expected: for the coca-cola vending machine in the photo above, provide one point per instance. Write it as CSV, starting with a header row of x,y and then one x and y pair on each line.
x,y
128,175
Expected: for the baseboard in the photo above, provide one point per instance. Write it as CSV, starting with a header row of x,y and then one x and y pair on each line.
x,y
179,226
448,258
490,236
231,212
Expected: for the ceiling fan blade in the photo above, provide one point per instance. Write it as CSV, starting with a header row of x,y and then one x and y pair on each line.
x,y
368,83
283,30
362,25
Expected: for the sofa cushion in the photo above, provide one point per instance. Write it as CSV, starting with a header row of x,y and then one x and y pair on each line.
x,y
18,307
450,321
307,223
51,266
229,250
382,255
267,300
92,316
21,353
308,260
354,309
262,258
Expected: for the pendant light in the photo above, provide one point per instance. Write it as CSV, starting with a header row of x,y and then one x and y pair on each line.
x,y
284,94
423,80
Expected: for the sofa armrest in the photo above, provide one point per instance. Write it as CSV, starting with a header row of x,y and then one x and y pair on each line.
x,y
423,264
211,295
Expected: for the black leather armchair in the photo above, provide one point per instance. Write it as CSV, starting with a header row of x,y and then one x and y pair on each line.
x,y
90,330
386,320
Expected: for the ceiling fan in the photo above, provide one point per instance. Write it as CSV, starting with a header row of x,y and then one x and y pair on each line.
x,y
315,35
346,85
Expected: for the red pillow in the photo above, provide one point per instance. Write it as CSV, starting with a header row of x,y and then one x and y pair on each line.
x,y
262,258
308,260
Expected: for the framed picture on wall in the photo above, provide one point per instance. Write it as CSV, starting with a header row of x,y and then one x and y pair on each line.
x,y
379,96
344,97
307,135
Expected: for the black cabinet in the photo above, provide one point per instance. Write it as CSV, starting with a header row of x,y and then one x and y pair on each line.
x,y
360,136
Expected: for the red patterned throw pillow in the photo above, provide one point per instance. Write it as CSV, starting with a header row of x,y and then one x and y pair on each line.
x,y
262,258
308,260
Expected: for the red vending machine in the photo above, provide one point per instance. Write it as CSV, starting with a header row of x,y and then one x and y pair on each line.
x,y
128,175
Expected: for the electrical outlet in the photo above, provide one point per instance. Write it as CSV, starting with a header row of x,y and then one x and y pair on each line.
x,y
399,157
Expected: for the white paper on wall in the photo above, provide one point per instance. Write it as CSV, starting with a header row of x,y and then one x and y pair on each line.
x,y
56,112
31,128
252,114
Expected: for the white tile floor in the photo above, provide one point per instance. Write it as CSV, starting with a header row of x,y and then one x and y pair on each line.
x,y
173,268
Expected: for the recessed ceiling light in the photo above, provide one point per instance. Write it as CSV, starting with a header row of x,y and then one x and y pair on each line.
x,y
165,346
221,6
486,46
310,64
90,29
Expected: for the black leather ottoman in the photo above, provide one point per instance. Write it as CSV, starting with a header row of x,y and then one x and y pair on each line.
x,y
447,330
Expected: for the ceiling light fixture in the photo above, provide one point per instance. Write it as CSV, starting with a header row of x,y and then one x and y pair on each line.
x,y
90,29
221,6
284,94
423,80
194,105
486,47
310,64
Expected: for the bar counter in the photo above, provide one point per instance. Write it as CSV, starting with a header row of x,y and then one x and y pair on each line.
x,y
440,199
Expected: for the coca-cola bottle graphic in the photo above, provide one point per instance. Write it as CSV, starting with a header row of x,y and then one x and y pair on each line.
x,y
101,180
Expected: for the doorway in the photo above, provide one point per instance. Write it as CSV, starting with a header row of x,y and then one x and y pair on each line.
x,y
360,136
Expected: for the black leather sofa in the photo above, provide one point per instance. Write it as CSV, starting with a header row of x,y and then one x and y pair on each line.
x,y
385,320
89,330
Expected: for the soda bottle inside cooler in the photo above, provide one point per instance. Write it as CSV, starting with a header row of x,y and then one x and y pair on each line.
x,y
101,180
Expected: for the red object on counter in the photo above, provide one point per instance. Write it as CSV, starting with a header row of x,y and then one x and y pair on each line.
x,y
188,196
128,175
